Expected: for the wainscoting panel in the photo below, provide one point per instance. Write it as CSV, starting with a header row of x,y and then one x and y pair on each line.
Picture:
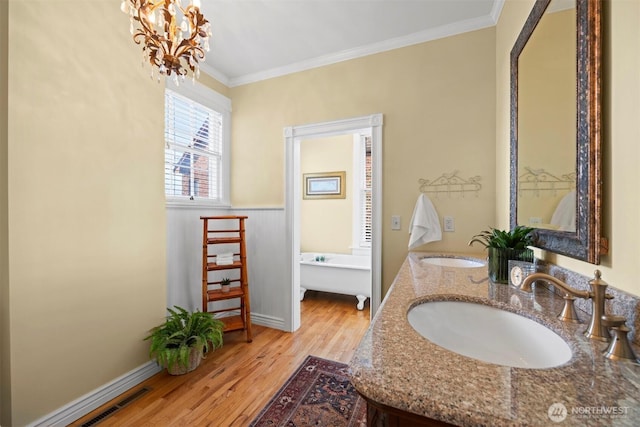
x,y
265,239
265,258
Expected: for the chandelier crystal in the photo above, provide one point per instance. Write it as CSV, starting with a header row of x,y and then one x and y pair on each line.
x,y
175,49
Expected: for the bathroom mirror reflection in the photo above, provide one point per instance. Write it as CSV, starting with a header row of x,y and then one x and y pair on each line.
x,y
555,127
546,121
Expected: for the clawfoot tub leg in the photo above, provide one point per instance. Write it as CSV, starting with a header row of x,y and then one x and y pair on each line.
x,y
302,292
361,300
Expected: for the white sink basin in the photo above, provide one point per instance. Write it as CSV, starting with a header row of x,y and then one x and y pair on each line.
x,y
489,334
453,262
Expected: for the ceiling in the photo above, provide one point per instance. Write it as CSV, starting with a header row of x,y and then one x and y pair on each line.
x,y
258,39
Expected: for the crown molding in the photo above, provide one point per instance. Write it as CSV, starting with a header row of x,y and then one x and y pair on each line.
x,y
215,73
496,10
386,45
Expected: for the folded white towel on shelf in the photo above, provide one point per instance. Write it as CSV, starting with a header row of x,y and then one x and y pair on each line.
x,y
425,223
224,259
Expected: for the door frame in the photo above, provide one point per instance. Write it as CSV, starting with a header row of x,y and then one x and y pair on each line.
x,y
293,135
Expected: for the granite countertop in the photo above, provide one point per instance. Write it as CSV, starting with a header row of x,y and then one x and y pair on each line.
x,y
397,367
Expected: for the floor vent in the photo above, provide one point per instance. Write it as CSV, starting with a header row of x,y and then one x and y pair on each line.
x,y
115,408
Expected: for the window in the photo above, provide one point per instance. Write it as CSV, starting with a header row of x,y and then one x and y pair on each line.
x,y
196,136
362,200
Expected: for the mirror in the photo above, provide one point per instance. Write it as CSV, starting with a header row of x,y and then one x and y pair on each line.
x,y
546,121
555,128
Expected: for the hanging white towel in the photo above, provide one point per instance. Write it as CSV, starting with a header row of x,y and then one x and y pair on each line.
x,y
425,223
565,214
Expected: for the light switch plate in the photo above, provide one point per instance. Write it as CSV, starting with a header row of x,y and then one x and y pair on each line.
x,y
395,222
449,224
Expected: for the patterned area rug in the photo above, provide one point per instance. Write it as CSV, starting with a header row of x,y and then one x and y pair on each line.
x,y
317,394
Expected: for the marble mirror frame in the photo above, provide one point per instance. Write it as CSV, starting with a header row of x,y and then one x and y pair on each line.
x,y
586,243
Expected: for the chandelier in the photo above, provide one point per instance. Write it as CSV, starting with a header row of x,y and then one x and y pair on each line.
x,y
173,48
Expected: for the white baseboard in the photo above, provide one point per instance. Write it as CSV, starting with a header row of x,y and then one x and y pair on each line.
x,y
98,397
258,319
268,321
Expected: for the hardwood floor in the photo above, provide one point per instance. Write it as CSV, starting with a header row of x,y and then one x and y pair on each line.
x,y
235,382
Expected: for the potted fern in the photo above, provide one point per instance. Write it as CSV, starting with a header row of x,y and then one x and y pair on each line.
x,y
505,245
180,343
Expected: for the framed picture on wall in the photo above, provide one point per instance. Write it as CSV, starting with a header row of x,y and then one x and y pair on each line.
x,y
325,185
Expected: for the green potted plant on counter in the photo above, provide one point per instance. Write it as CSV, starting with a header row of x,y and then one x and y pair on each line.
x,y
505,245
181,342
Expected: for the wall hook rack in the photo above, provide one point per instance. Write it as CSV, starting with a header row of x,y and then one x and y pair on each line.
x,y
536,181
450,183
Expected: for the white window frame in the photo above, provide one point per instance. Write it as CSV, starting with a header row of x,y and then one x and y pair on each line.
x,y
221,104
358,245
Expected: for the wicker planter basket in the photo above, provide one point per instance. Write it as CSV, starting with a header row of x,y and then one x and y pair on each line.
x,y
195,357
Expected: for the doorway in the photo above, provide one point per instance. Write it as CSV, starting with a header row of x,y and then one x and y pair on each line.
x,y
294,135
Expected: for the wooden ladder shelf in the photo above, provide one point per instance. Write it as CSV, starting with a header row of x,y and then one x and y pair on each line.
x,y
228,231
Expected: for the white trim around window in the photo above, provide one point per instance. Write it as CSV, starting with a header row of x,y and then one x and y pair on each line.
x,y
222,105
359,245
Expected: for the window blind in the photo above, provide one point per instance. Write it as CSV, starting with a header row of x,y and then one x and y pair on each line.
x,y
365,194
193,148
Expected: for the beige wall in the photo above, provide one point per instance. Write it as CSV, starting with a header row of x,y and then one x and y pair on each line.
x,y
326,224
5,373
214,84
438,101
621,89
85,207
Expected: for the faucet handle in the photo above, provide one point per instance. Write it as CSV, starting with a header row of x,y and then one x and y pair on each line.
x,y
611,321
569,313
619,347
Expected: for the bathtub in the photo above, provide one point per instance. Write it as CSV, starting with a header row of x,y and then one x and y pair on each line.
x,y
338,273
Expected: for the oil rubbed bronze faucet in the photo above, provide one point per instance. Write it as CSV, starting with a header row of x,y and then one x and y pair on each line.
x,y
597,330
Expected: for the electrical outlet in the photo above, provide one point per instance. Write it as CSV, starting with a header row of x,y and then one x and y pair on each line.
x,y
535,220
449,224
395,222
